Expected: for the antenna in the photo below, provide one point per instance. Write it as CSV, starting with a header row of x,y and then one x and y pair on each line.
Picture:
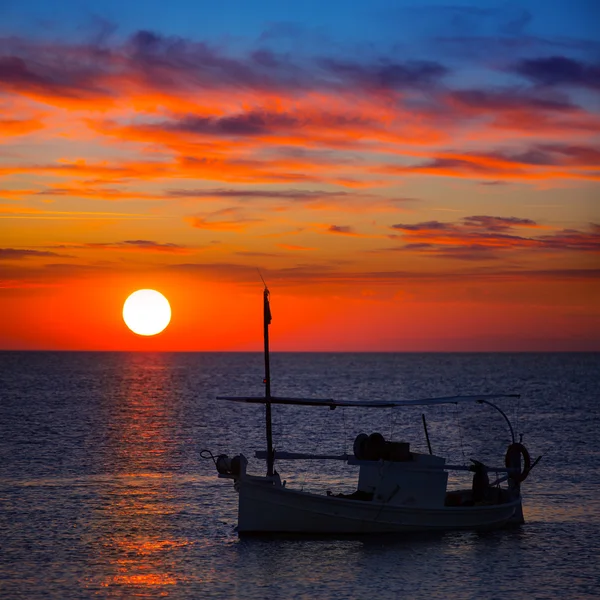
x,y
261,278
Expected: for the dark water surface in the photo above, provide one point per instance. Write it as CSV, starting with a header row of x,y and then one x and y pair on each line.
x,y
103,492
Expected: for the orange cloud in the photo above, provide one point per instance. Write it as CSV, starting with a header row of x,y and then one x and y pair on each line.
x,y
104,171
83,190
15,209
146,246
13,127
17,194
215,223
294,247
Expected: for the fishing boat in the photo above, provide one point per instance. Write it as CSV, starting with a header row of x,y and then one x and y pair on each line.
x,y
398,490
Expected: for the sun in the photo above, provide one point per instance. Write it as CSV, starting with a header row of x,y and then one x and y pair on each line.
x,y
146,312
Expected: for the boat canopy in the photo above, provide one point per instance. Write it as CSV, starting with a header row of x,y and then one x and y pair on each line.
x,y
481,398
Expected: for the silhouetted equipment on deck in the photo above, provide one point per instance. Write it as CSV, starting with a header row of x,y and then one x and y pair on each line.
x,y
375,447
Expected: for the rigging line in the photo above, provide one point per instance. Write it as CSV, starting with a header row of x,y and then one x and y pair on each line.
x,y
345,437
319,443
345,433
315,447
460,434
261,422
278,429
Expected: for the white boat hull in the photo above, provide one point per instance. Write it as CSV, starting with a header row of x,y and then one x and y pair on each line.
x,y
268,508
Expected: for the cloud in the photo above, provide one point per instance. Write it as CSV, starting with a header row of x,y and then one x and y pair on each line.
x,y
151,246
531,112
316,274
129,246
484,237
574,239
533,163
307,274
310,199
20,254
258,254
509,100
62,73
101,171
16,209
52,76
242,124
324,116
20,212
16,194
498,223
214,222
14,127
86,191
294,247
554,71
296,124
425,226
303,196
343,229
385,74
225,271
165,59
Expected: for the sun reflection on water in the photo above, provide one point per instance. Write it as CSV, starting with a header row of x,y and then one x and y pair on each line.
x,y
138,542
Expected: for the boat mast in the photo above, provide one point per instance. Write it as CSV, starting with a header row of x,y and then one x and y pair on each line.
x,y
266,322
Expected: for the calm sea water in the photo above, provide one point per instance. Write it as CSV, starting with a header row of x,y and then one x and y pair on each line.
x,y
103,492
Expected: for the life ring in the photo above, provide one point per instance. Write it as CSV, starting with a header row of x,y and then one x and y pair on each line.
x,y
513,457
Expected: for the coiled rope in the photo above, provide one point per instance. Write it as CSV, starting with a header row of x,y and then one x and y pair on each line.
x,y
206,454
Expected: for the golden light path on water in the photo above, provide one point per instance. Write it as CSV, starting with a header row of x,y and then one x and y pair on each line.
x,y
143,498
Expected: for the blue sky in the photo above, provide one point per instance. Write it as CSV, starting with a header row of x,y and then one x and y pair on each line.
x,y
378,21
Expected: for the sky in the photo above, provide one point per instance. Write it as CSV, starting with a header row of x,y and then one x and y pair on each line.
x,y
405,176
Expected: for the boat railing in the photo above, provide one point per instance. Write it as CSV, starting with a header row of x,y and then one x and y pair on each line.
x,y
282,455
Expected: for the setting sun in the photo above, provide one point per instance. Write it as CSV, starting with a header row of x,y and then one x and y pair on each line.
x,y
146,312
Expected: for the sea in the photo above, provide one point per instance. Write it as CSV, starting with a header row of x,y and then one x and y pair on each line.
x,y
104,491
